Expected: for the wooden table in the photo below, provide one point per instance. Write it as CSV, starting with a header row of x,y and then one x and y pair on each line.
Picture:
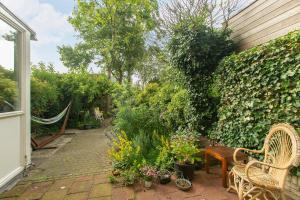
x,y
223,154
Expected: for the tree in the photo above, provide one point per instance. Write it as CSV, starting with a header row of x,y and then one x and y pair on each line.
x,y
76,58
116,31
215,12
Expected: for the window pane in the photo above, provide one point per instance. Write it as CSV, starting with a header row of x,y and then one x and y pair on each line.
x,y
9,69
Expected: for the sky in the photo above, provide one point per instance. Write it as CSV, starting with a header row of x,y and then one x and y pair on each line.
x,y
48,18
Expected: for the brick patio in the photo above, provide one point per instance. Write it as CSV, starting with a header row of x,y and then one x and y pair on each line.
x,y
79,170
97,187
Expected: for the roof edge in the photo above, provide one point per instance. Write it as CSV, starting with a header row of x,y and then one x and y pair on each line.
x,y
32,32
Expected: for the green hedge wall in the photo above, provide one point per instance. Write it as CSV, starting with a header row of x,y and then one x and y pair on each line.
x,y
259,87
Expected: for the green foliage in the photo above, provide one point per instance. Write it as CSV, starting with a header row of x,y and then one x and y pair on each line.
x,y
86,91
126,157
44,96
259,87
77,58
116,31
138,120
164,160
184,149
196,50
8,88
51,92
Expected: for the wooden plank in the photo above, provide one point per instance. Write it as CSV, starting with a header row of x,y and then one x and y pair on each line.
x,y
245,11
254,9
250,44
272,22
274,28
275,10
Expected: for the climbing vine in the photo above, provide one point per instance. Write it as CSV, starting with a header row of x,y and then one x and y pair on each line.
x,y
259,87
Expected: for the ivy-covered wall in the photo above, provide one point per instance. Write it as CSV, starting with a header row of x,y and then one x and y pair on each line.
x,y
259,87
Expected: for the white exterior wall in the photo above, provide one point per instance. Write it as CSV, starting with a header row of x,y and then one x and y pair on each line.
x,y
15,148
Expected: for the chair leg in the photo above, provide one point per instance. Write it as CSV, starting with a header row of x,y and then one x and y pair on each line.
x,y
283,196
230,185
241,190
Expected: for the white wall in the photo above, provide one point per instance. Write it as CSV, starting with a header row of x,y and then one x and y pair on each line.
x,y
10,148
15,148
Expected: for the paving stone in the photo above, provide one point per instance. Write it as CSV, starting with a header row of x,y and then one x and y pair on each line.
x,y
34,195
100,190
40,186
85,178
101,198
101,178
57,195
63,184
81,186
123,193
147,195
77,196
10,198
15,192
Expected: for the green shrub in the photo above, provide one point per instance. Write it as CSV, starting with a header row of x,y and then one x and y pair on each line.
x,y
136,120
259,87
51,92
8,89
196,50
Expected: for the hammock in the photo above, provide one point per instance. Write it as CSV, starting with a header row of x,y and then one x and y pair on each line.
x,y
35,145
52,120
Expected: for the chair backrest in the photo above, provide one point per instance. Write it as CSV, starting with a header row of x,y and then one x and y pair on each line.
x,y
282,149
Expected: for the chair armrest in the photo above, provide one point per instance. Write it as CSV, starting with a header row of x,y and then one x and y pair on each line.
x,y
255,162
244,149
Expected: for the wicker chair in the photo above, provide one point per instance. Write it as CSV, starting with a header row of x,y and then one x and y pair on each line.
x,y
266,179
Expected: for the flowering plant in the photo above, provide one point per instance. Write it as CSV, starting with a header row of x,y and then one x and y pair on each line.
x,y
148,173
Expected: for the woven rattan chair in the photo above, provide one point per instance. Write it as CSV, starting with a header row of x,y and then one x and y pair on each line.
x,y
266,179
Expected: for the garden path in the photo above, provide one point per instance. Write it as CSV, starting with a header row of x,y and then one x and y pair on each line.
x,y
80,153
79,170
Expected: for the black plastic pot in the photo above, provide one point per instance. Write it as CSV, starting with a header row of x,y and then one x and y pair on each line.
x,y
164,178
185,170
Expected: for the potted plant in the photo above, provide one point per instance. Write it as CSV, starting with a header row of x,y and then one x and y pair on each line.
x,y
164,176
148,174
185,153
183,184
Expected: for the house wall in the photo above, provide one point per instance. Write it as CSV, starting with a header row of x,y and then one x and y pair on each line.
x,y
15,148
10,148
264,20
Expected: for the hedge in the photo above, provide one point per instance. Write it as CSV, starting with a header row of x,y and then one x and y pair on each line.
x,y
259,87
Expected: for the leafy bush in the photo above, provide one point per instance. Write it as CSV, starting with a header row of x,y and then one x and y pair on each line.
x,y
51,92
125,154
44,96
196,50
138,120
86,91
164,160
184,149
8,89
259,87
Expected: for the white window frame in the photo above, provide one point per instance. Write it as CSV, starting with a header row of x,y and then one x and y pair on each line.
x,y
6,18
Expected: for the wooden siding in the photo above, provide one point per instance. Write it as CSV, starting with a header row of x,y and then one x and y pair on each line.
x,y
264,20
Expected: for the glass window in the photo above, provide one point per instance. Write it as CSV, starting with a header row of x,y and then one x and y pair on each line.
x,y
9,68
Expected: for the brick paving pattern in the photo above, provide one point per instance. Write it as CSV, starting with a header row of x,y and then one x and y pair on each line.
x,y
97,187
79,170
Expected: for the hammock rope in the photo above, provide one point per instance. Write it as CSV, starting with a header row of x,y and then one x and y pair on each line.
x,y
51,120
